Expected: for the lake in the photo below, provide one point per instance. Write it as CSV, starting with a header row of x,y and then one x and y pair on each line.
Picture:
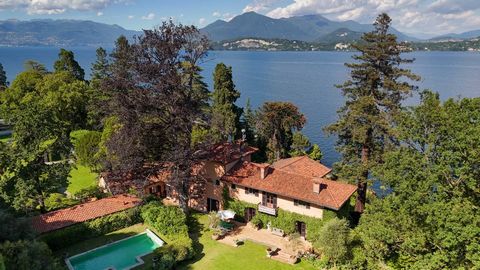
x,y
305,78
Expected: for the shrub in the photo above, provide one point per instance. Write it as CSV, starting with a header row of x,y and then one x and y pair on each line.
x,y
167,220
58,201
333,239
79,232
90,192
170,221
27,255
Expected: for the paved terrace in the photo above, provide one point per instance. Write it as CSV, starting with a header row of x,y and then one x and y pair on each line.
x,y
286,250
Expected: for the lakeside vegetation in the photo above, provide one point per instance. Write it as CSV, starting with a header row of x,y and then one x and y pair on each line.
x,y
148,104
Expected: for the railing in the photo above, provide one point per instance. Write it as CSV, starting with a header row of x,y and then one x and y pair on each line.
x,y
267,210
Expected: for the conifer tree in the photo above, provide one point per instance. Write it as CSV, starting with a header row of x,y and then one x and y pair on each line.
x,y
374,93
100,67
3,78
225,114
66,62
99,72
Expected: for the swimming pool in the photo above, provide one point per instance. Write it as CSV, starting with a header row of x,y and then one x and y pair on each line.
x,y
123,254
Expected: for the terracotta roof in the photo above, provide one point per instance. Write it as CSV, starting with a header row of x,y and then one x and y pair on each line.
x,y
83,212
292,185
302,165
227,152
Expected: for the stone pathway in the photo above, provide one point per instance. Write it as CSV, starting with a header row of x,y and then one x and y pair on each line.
x,y
286,249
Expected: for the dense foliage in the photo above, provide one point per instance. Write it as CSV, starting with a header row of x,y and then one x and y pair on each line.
x,y
171,222
86,145
430,220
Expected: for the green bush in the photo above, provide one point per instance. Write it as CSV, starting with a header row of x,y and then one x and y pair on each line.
x,y
90,192
171,222
27,255
58,201
68,236
167,220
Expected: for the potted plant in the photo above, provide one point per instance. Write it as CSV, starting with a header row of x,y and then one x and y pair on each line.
x,y
237,242
269,252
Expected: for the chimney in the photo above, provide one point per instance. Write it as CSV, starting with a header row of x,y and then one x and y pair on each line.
x,y
264,170
316,187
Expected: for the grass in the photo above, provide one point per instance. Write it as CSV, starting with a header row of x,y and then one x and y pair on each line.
x,y
215,255
81,177
212,254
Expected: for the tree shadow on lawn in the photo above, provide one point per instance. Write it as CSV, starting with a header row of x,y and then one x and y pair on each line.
x,y
196,230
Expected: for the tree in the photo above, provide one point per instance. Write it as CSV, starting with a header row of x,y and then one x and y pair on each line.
x,y
31,65
430,218
276,121
28,255
100,70
3,78
225,114
154,102
374,93
44,109
315,153
66,62
13,228
333,240
86,146
300,145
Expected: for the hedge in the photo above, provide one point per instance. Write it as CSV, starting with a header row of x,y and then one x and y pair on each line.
x,y
171,222
68,236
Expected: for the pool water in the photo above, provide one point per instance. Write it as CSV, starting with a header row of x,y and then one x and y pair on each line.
x,y
118,255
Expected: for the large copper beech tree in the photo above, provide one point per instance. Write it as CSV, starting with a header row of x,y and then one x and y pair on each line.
x,y
155,102
374,93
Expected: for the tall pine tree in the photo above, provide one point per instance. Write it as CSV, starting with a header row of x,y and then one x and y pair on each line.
x,y
374,93
99,72
225,114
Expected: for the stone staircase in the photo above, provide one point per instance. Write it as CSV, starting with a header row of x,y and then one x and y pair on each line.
x,y
284,257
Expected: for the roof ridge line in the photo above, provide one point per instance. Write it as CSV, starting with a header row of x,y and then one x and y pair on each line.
x,y
288,164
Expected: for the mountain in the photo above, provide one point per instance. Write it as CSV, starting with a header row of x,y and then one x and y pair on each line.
x,y
251,24
305,28
341,35
60,33
461,36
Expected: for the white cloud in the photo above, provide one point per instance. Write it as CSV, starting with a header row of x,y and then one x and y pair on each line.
x,y
259,5
130,17
55,6
99,13
216,14
202,21
149,16
412,16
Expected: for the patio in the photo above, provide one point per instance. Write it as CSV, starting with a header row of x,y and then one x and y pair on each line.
x,y
283,249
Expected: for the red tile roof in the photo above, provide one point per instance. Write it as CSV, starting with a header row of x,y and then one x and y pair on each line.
x,y
289,181
227,152
302,165
83,212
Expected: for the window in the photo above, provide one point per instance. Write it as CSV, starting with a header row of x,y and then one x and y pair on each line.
x,y
234,187
251,191
301,204
217,182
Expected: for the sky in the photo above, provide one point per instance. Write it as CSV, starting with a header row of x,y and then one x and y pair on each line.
x,y
417,17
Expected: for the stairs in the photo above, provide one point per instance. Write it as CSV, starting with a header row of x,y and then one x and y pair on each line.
x,y
281,256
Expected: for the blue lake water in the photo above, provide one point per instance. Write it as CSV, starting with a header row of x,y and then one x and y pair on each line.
x,y
304,78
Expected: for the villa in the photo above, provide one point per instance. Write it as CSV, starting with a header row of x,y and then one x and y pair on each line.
x,y
299,184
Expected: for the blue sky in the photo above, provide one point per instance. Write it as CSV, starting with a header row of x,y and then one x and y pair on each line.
x,y
430,17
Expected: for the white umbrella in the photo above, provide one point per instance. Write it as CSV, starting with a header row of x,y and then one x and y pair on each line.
x,y
226,214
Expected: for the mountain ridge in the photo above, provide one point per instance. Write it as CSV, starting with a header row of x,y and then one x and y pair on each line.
x,y
305,28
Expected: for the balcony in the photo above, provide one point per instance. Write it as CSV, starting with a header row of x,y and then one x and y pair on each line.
x,y
267,209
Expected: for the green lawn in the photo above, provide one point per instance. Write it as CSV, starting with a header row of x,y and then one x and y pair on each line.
x,y
213,255
217,256
81,177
